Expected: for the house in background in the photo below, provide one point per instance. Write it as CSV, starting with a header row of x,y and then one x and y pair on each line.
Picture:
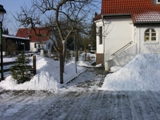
x,y
13,44
36,42
126,28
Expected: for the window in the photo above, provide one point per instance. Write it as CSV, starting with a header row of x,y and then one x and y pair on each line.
x,y
150,35
100,35
35,45
158,1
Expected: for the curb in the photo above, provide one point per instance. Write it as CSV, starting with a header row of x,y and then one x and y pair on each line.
x,y
76,77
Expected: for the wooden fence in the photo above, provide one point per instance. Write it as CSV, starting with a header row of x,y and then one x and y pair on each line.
x,y
13,62
7,63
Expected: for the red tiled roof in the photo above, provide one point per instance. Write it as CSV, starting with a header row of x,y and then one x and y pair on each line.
x,y
146,17
132,7
127,6
27,32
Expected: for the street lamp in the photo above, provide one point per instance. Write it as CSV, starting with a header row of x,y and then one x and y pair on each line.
x,y
2,12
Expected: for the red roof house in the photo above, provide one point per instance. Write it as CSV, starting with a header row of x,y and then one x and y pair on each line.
x,y
126,28
36,42
27,32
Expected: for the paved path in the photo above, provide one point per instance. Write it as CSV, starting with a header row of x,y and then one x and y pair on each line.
x,y
83,103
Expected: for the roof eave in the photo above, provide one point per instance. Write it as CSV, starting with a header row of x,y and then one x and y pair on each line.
x,y
115,16
123,14
14,37
147,23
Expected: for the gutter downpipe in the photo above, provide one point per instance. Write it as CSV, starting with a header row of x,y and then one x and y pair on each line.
x,y
103,40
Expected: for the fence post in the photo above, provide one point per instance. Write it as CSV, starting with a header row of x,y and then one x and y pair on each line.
x,y
34,64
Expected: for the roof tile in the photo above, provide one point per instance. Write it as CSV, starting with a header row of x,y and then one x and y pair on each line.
x,y
141,10
27,32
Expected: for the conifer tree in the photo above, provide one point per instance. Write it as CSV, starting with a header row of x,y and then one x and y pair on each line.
x,y
93,35
22,71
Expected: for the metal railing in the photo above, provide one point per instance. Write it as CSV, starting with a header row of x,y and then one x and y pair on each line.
x,y
125,46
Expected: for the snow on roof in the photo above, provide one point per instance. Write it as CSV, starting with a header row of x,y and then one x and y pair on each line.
x,y
140,74
14,37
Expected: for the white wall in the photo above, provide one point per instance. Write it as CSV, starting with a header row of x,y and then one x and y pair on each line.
x,y
32,47
118,33
148,47
38,46
99,48
139,46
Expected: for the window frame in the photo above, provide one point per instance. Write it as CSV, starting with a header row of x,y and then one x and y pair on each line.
x,y
150,35
100,35
35,45
157,1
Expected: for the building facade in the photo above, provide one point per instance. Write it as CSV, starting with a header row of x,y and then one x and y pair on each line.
x,y
126,28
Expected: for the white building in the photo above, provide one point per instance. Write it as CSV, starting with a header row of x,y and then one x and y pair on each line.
x,y
36,42
126,28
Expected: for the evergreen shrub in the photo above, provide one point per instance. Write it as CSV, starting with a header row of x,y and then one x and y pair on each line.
x,y
22,71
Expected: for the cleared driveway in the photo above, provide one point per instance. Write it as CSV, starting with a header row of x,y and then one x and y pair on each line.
x,y
80,102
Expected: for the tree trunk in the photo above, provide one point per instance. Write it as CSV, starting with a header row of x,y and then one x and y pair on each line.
x,y
64,53
76,49
62,60
61,68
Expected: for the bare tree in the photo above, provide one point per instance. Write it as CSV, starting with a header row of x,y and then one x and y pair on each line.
x,y
61,17
9,46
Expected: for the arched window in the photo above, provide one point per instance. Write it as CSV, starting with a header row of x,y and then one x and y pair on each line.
x,y
158,1
150,35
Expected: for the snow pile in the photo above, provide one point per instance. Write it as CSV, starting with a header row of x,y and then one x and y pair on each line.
x,y
115,68
9,59
89,59
140,74
47,77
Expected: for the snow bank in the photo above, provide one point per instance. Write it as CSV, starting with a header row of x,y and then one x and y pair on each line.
x,y
9,59
140,74
115,68
90,59
47,77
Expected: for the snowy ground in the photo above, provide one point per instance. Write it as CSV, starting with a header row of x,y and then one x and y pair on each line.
x,y
140,74
85,99
47,77
80,102
42,105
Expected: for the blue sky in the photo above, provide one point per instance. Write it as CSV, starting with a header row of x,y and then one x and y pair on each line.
x,y
12,7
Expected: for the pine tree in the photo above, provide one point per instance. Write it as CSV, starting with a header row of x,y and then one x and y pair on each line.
x,y
5,31
21,71
93,35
